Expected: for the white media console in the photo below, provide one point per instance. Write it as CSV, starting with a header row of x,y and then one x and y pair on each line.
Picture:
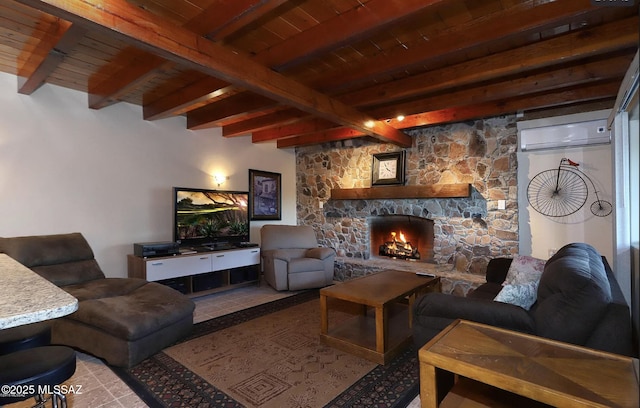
x,y
200,273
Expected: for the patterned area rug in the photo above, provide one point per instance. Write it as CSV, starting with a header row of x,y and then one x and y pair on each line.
x,y
269,356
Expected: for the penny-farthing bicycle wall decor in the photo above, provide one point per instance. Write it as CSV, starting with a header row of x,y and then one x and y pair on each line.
x,y
563,191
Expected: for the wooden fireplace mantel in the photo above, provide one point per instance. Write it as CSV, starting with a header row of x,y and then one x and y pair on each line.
x,y
382,192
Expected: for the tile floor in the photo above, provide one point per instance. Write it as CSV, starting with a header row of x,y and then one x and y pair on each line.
x,y
100,387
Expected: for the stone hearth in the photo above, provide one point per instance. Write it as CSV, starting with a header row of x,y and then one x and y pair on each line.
x,y
458,283
467,231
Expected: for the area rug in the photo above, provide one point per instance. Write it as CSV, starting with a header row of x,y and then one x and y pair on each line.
x,y
270,356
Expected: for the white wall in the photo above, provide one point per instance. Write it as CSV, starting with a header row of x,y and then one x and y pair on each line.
x,y
539,234
109,174
634,210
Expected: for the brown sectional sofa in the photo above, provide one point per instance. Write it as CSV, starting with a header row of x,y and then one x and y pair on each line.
x,y
121,320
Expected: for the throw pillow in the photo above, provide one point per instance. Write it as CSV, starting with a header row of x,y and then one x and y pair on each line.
x,y
524,269
520,295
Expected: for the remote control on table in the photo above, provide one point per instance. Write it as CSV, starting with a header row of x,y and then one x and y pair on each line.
x,y
430,275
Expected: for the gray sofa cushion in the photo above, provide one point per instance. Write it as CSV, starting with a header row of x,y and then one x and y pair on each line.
x,y
450,307
305,265
320,253
284,254
573,294
287,236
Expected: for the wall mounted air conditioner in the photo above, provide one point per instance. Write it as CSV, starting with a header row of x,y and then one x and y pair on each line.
x,y
563,136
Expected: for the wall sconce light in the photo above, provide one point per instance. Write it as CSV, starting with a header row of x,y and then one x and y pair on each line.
x,y
219,179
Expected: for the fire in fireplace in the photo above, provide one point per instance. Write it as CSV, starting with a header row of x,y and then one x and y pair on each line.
x,y
399,247
401,237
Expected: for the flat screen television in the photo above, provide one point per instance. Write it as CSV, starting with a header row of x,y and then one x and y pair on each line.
x,y
210,218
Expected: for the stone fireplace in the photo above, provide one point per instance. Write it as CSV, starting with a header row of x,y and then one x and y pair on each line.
x,y
403,237
455,223
467,231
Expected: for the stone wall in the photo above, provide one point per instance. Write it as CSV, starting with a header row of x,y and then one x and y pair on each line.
x,y
467,232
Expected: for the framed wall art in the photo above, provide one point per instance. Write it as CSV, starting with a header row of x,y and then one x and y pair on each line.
x,y
265,195
388,168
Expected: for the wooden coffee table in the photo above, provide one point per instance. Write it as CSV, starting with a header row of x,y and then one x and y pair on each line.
x,y
381,336
550,372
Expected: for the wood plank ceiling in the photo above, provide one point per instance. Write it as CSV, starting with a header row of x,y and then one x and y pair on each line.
x,y
312,71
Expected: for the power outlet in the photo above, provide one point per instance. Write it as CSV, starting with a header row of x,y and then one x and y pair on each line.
x,y
502,204
320,204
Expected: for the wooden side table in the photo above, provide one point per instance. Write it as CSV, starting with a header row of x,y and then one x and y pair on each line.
x,y
548,371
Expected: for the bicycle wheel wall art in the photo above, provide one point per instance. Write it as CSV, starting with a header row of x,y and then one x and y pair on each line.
x,y
563,191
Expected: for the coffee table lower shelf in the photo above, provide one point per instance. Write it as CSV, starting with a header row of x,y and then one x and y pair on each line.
x,y
468,393
358,334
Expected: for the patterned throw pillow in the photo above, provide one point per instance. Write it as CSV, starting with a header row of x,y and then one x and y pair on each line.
x,y
520,295
524,269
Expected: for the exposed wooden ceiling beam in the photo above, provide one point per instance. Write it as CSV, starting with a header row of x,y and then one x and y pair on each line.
x,y
208,115
519,19
567,109
434,79
183,46
324,136
459,102
560,77
217,24
214,19
562,49
128,70
251,15
255,114
192,94
565,48
282,116
485,73
50,52
574,95
557,97
344,28
104,92
294,129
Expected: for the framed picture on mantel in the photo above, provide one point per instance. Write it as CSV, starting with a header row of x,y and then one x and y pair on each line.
x,y
265,195
388,168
